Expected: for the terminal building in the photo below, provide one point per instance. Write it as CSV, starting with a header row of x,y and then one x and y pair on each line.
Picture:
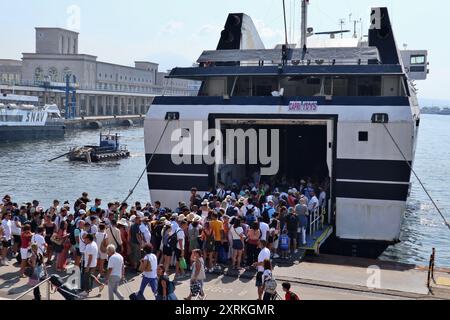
x,y
102,88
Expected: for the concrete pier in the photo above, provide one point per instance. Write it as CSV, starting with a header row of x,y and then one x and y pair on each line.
x,y
104,121
322,277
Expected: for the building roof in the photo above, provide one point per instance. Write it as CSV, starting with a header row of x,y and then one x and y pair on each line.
x,y
55,28
10,62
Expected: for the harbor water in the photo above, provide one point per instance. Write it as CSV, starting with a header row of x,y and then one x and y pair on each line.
x,y
27,175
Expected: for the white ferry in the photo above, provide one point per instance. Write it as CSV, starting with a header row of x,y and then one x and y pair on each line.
x,y
338,106
21,118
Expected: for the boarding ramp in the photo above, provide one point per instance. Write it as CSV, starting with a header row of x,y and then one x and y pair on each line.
x,y
318,231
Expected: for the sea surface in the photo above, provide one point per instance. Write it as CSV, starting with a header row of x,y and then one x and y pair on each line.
x,y
26,174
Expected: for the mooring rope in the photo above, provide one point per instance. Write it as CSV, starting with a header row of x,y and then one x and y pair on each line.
x,y
417,177
148,163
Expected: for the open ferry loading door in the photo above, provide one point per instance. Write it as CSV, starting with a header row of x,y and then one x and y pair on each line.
x,y
305,147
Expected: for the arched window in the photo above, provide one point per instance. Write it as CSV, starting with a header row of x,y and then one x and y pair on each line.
x,y
53,74
38,74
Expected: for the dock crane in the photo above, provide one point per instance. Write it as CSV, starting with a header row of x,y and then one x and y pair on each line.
x,y
70,89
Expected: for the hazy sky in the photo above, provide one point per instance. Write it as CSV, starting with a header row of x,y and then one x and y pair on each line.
x,y
174,32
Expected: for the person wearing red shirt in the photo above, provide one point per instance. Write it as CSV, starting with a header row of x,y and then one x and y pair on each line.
x,y
25,245
289,295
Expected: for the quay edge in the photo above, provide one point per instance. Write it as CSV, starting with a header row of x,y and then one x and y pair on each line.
x,y
104,122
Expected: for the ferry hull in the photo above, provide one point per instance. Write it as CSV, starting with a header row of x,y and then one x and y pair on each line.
x,y
14,133
354,248
370,180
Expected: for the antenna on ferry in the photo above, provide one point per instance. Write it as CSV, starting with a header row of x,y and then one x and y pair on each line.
x,y
342,22
304,25
285,24
355,22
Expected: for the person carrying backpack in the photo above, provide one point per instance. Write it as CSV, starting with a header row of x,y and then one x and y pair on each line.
x,y
283,244
269,282
253,237
167,250
166,288
292,224
209,245
289,295
250,217
268,211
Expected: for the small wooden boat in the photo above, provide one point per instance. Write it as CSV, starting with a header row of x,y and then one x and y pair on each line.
x,y
109,149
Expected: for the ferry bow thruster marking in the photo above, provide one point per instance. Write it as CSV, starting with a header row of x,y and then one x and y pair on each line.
x,y
336,95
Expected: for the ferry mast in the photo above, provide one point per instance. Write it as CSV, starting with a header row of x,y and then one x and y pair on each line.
x,y
304,23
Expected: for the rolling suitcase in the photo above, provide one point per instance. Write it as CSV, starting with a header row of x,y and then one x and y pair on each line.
x,y
68,294
132,295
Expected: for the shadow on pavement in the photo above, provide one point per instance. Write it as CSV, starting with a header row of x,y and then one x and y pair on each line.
x,y
18,290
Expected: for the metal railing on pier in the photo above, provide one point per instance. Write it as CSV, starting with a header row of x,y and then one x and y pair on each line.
x,y
43,282
315,221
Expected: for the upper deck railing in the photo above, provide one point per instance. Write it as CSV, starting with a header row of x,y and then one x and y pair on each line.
x,y
292,57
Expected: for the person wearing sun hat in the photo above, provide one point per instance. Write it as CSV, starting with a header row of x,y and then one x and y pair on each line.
x,y
123,225
162,220
190,217
180,218
205,203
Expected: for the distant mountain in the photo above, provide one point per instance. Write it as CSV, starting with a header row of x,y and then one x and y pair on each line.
x,y
426,102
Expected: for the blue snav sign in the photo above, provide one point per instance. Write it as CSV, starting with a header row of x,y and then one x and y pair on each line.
x,y
35,116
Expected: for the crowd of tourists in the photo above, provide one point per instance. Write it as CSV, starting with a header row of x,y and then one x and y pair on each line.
x,y
236,227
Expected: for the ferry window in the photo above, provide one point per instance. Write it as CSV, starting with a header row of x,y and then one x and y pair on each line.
x,y
418,59
301,86
328,86
310,87
243,87
391,86
340,86
215,87
363,136
369,86
263,87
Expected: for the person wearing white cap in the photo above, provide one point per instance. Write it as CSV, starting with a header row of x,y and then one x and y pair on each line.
x,y
78,233
80,216
205,209
84,227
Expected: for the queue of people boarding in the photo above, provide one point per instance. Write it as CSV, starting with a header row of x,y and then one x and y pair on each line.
x,y
240,228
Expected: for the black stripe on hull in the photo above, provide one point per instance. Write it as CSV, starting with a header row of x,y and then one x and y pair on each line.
x,y
374,170
162,163
375,191
280,101
355,248
166,182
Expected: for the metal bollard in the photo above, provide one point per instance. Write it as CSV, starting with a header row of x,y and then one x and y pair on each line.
x,y
432,265
431,268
